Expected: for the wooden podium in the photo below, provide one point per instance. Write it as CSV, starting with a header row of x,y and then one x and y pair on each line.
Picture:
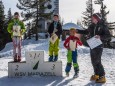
x,y
34,66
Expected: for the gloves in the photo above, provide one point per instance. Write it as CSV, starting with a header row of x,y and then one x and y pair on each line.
x,y
22,31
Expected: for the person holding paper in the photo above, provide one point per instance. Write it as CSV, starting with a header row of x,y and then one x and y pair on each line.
x,y
16,28
71,44
99,30
55,30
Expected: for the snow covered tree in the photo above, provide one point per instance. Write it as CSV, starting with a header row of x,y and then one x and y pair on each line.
x,y
103,8
34,9
104,14
87,18
88,13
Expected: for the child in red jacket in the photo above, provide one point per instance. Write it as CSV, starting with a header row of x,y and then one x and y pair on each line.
x,y
71,44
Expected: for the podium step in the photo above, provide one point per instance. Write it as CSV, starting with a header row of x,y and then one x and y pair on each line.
x,y
34,66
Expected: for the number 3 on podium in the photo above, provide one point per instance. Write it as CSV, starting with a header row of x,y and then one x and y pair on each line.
x,y
53,67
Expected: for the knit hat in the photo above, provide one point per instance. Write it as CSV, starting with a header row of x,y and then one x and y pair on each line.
x,y
97,16
16,13
56,15
72,29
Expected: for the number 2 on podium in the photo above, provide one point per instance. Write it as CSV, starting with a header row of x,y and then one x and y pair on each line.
x,y
17,66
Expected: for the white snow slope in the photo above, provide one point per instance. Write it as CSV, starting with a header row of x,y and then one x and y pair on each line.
x,y
86,70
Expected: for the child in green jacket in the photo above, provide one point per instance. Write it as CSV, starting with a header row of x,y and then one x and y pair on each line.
x,y
16,28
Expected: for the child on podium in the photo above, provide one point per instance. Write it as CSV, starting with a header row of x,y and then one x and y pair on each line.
x,y
16,28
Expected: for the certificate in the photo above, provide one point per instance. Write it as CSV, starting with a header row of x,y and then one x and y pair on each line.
x,y
72,45
94,42
53,38
16,31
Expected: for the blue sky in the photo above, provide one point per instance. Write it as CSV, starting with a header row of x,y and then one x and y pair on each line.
x,y
70,10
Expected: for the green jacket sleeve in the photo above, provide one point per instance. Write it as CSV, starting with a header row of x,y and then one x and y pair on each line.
x,y
10,26
23,27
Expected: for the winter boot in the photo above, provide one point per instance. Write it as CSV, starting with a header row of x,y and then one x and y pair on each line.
x,y
94,77
15,58
67,74
101,79
56,58
51,59
76,69
68,67
19,59
75,75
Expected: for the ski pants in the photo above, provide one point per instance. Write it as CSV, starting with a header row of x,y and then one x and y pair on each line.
x,y
54,48
96,54
16,46
72,57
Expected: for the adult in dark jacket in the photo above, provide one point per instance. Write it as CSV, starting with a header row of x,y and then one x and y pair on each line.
x,y
55,30
100,31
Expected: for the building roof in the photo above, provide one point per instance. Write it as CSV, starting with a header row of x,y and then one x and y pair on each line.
x,y
67,26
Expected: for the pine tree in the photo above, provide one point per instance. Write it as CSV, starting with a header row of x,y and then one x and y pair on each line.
x,y
1,15
103,8
9,16
34,9
104,14
7,19
30,8
88,13
6,35
2,36
87,18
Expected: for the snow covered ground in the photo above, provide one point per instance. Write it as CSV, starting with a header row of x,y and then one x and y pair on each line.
x,y
86,70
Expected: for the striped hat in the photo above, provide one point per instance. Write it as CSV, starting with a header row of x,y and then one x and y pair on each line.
x,y
97,16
